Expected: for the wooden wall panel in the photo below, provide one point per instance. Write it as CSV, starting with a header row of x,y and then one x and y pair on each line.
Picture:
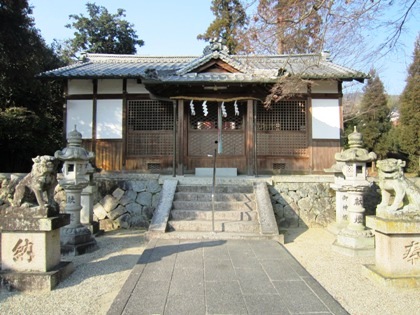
x,y
109,155
158,164
323,153
282,165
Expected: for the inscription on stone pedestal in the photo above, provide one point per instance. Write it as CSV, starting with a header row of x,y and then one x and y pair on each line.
x,y
23,250
412,252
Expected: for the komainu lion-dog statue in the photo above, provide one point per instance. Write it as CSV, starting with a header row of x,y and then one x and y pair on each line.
x,y
394,184
42,178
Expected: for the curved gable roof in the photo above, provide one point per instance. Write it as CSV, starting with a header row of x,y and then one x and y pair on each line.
x,y
178,69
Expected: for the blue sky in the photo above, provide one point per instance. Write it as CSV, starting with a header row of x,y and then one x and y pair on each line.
x,y
170,27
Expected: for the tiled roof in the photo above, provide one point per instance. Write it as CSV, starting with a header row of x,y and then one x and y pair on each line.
x,y
178,69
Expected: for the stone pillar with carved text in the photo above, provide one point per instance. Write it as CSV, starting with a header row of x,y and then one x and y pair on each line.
x,y
76,239
354,239
341,215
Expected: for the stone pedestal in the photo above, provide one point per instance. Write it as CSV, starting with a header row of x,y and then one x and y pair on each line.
x,y
355,239
76,238
30,257
397,258
86,214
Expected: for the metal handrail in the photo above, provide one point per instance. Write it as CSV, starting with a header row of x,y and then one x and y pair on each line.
x,y
213,189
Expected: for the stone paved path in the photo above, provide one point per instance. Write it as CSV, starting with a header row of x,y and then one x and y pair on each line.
x,y
221,277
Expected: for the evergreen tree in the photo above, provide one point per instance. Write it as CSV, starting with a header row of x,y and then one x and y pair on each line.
x,y
228,25
409,122
30,109
373,119
102,32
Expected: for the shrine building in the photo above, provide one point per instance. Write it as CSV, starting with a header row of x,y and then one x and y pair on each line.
x,y
164,114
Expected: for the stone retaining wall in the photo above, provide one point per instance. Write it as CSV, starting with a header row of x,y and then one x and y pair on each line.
x,y
308,201
129,200
126,201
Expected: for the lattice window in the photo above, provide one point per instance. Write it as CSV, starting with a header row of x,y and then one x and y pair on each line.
x,y
282,130
150,115
149,128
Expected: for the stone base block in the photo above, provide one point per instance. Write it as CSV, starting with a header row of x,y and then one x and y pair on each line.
x,y
335,227
397,245
352,251
355,243
79,249
30,251
401,281
220,171
37,281
77,241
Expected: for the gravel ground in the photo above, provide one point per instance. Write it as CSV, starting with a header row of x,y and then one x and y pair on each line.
x,y
92,287
100,275
341,276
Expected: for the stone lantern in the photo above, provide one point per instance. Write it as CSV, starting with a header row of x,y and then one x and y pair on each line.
x,y
355,239
76,239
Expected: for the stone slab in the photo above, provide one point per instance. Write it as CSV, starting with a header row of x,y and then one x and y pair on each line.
x,y
79,249
392,226
405,282
267,220
353,252
11,222
37,281
220,171
161,214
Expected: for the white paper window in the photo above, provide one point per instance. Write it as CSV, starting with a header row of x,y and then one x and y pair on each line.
x,y
79,113
108,86
109,119
325,119
77,86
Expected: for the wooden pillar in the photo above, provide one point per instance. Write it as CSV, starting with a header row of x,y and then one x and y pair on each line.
x,y
340,104
124,125
181,137
65,94
309,127
250,140
94,110
174,145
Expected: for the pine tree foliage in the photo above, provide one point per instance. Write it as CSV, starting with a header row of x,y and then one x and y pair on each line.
x,y
373,119
230,20
30,109
409,121
102,32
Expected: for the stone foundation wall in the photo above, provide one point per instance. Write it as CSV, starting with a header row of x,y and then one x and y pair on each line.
x,y
308,201
129,200
126,201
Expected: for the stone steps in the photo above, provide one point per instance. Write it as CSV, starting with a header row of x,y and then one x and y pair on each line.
x,y
197,196
218,215
219,226
220,189
218,205
235,210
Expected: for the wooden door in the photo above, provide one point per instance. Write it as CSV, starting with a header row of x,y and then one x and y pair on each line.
x,y
202,133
